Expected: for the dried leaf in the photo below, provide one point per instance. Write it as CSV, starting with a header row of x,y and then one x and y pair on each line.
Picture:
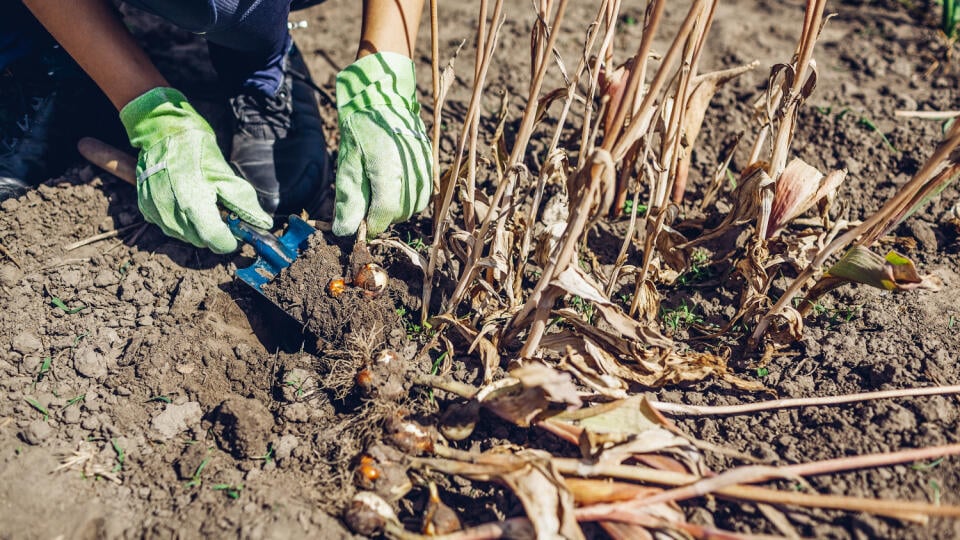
x,y
799,187
614,432
533,391
574,281
533,479
591,491
643,335
489,355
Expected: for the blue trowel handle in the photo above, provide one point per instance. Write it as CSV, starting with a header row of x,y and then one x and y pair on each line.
x,y
264,243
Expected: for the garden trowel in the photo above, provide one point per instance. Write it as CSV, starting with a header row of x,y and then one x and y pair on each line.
x,y
273,253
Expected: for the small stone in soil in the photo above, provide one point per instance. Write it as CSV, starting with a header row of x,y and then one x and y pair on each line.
x,y
175,419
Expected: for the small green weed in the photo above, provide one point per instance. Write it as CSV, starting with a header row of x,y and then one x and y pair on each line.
x,y
44,368
935,487
75,400
834,315
762,372
121,455
39,407
230,490
164,399
435,369
416,243
78,337
699,268
268,457
195,480
867,123
926,466
57,302
583,307
680,317
731,178
296,384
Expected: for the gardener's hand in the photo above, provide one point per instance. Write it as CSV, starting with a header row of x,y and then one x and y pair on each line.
x,y
181,173
384,168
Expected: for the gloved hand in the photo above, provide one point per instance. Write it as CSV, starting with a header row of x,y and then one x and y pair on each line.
x,y
384,168
181,173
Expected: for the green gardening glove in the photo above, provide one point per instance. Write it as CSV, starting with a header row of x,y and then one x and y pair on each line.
x,y
181,173
384,168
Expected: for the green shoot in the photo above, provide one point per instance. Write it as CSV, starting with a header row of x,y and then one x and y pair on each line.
x,y
680,317
628,20
164,399
121,455
44,368
926,466
232,491
952,322
296,384
75,400
935,486
436,369
416,243
762,372
867,123
732,178
268,457
76,340
583,307
69,311
699,268
195,480
123,268
40,408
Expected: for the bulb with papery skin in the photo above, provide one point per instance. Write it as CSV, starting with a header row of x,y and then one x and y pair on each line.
x,y
372,278
336,287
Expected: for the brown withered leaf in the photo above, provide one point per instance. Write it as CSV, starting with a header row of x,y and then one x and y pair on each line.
x,y
489,355
799,187
532,478
530,393
617,431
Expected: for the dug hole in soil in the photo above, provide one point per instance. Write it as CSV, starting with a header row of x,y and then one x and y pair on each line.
x,y
146,393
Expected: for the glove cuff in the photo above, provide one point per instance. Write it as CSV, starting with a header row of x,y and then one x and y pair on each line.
x,y
384,78
159,113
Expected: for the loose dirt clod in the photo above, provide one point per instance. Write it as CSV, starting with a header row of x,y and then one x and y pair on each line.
x,y
242,427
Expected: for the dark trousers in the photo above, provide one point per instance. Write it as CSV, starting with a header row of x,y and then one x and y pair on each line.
x,y
248,39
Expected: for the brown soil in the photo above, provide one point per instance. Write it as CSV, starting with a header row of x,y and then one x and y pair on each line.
x,y
165,385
